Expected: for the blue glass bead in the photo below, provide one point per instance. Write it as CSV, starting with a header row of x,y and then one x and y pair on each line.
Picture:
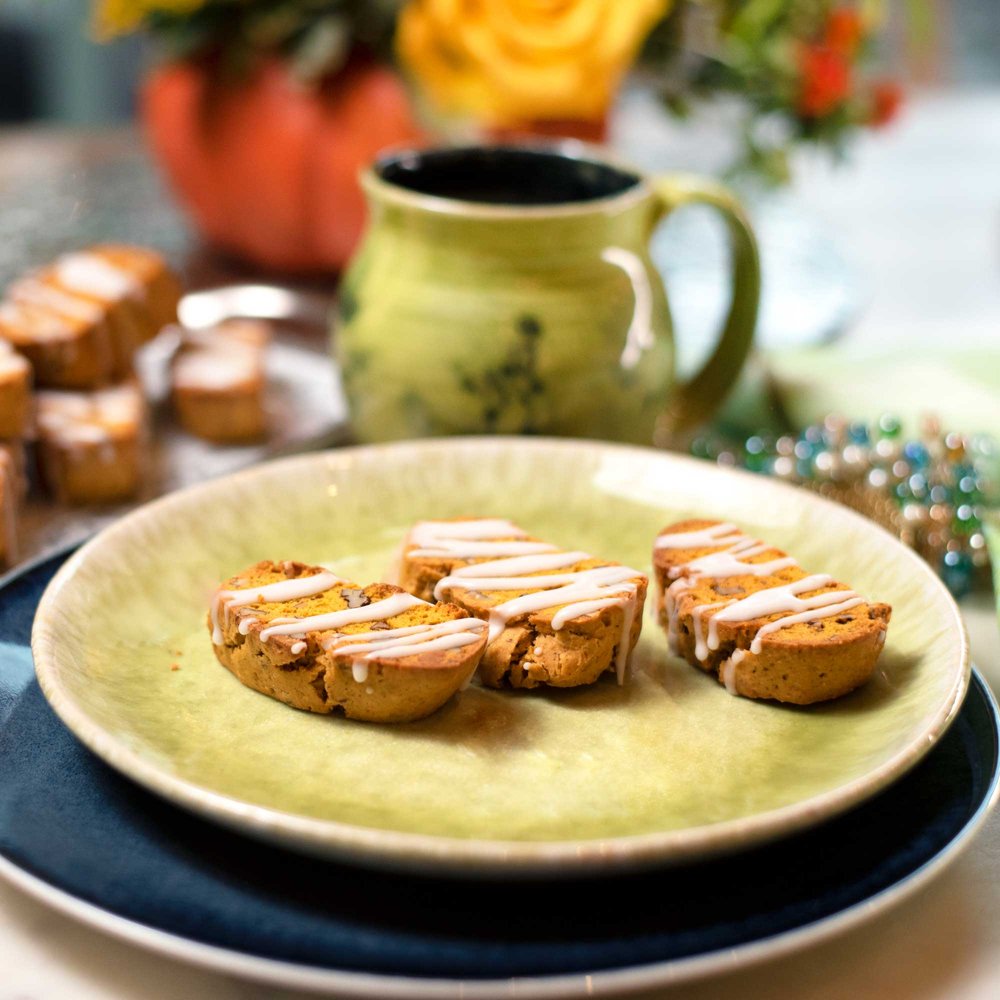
x,y
814,435
916,454
918,485
858,433
754,445
957,571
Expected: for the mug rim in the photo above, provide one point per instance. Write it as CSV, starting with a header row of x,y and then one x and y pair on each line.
x,y
575,149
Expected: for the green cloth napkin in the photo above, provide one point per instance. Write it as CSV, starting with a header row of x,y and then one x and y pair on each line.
x,y
962,387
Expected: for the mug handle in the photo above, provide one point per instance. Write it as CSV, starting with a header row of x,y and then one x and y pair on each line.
x,y
694,401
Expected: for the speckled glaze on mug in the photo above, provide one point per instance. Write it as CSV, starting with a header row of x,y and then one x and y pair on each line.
x,y
510,290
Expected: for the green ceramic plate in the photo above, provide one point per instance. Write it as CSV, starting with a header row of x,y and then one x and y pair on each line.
x,y
668,767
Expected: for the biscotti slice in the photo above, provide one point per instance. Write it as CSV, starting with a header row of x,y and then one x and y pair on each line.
x,y
135,290
10,494
66,350
302,635
91,444
15,393
556,617
747,612
80,320
158,289
217,382
13,452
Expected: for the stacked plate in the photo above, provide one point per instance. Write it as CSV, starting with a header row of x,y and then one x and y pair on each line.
x,y
600,838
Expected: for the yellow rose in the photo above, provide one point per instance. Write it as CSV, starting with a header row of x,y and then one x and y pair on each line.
x,y
507,62
118,17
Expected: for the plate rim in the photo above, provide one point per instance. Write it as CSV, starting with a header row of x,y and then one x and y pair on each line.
x,y
394,849
628,979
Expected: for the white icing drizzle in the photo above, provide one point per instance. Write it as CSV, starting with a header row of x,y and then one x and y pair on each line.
x,y
782,599
824,611
217,369
704,538
420,645
36,324
728,671
271,593
429,533
521,564
726,563
393,643
575,593
45,296
700,647
90,274
459,549
386,641
376,611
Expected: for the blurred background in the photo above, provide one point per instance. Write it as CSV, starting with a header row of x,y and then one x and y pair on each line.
x,y
52,69
863,137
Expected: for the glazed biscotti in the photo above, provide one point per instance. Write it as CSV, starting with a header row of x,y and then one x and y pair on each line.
x,y
747,612
302,635
92,445
15,393
10,494
80,320
217,382
556,617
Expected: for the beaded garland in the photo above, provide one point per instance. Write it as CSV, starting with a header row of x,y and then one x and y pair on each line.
x,y
932,491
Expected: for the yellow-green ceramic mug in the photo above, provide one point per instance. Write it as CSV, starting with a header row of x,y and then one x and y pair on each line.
x,y
509,290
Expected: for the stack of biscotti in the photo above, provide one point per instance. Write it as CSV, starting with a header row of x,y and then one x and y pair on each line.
x,y
72,329
557,618
302,635
217,381
80,320
747,613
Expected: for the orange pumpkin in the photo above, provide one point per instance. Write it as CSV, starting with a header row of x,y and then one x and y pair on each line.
x,y
267,167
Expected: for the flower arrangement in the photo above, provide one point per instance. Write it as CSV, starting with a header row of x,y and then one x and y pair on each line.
x,y
795,66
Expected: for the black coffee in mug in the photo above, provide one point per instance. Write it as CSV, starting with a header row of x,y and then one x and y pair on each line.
x,y
506,175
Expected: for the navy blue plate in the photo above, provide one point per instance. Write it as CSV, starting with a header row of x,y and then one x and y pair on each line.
x,y
75,830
